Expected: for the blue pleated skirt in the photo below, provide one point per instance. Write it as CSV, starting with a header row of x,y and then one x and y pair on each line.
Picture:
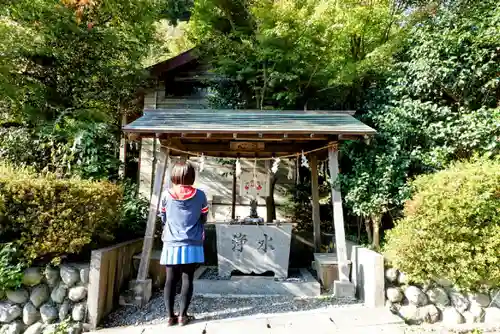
x,y
182,255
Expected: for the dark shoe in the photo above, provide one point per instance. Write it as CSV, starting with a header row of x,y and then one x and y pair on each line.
x,y
172,321
183,321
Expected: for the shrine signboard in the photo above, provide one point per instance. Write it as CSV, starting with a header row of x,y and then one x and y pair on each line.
x,y
253,249
246,146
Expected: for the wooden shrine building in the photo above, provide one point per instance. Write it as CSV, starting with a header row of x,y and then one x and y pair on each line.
x,y
249,134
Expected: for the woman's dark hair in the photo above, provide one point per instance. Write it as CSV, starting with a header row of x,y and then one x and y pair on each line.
x,y
183,173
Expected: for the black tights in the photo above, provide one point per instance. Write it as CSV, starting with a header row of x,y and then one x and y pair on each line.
x,y
184,272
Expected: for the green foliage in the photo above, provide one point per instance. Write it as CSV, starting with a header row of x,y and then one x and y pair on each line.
x,y
11,268
68,148
172,41
63,327
442,96
377,181
177,10
295,54
437,105
299,206
49,217
69,69
78,58
134,213
451,227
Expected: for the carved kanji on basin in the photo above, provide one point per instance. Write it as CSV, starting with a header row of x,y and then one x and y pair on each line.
x,y
265,244
238,241
253,249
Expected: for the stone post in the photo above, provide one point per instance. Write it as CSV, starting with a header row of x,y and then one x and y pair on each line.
x,y
343,287
141,288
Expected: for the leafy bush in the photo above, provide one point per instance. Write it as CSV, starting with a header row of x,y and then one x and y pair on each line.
x,y
11,269
134,213
451,227
48,217
67,147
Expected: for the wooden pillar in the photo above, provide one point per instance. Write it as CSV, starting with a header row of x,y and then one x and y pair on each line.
x,y
161,167
153,166
315,203
233,195
297,171
338,215
123,150
146,167
269,213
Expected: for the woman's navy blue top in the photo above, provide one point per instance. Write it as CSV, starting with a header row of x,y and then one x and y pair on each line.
x,y
182,217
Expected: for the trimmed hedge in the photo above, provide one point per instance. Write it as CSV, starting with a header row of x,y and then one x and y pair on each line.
x,y
451,227
48,217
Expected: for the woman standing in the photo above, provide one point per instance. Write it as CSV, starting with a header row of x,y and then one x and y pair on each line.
x,y
184,212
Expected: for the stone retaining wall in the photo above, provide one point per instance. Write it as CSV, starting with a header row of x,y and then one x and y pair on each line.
x,y
47,297
439,301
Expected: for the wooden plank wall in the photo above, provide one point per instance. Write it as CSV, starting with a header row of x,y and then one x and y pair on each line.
x,y
111,269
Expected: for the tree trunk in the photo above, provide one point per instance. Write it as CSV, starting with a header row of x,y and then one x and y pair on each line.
x,y
233,194
368,230
376,232
359,224
270,203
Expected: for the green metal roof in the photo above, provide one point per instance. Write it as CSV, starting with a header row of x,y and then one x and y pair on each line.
x,y
248,121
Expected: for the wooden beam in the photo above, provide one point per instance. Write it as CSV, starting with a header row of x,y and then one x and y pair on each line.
x,y
290,147
161,167
174,143
350,137
338,216
251,136
315,203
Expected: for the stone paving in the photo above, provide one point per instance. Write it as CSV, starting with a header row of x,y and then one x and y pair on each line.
x,y
349,319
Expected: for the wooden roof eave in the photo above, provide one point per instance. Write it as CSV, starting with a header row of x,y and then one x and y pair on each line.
x,y
248,125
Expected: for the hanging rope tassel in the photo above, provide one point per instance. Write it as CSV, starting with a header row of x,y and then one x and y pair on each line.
x,y
297,167
254,169
275,166
290,172
202,162
238,168
304,162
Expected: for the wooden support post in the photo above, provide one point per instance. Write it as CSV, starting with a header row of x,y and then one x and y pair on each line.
x,y
315,203
338,216
123,150
153,168
233,197
161,167
269,212
297,171
140,290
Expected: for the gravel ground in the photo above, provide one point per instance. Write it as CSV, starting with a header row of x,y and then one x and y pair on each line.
x,y
219,308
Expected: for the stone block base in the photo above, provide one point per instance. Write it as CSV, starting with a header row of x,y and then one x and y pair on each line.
x,y
253,286
343,289
157,271
138,294
327,267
